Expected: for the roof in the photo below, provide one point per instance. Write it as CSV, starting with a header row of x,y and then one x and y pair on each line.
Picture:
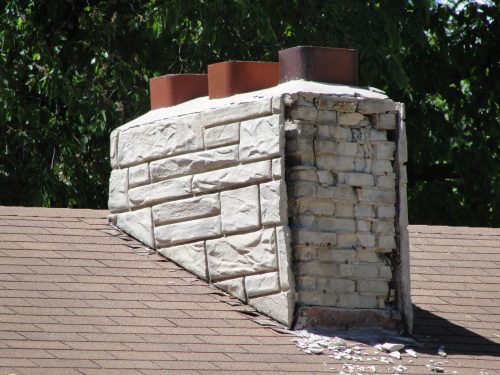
x,y
79,297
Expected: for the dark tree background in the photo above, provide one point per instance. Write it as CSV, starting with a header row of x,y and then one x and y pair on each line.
x,y
71,71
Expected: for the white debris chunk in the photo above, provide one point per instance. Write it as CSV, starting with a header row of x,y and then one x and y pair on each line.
x,y
435,368
395,355
389,347
411,353
400,368
441,351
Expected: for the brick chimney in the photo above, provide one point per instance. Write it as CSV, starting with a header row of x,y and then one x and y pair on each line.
x,y
291,198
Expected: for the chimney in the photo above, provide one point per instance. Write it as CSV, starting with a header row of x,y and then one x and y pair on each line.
x,y
291,198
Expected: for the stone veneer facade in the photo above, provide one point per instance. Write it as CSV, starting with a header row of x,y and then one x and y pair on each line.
x,y
287,198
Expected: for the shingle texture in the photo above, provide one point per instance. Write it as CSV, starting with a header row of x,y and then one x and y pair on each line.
x,y
79,297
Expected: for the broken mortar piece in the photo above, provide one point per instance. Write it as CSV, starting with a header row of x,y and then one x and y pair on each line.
x,y
411,353
389,347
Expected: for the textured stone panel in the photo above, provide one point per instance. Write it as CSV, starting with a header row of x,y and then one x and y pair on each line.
x,y
244,254
278,168
240,209
260,138
145,142
273,203
138,175
284,257
138,224
234,113
160,191
197,162
235,287
118,187
222,135
187,231
231,177
113,149
278,306
189,256
266,283
186,209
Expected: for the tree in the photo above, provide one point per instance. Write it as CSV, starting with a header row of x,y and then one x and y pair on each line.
x,y
72,71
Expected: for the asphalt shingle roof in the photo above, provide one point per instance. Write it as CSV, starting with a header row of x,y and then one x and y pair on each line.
x,y
79,297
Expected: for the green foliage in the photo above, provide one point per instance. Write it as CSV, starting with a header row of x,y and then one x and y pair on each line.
x,y
71,71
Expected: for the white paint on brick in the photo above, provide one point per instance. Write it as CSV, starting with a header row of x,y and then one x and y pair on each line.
x,y
260,138
257,285
273,203
150,141
138,175
243,254
240,209
222,135
189,256
186,209
279,306
235,287
187,231
138,224
160,191
118,188
284,257
193,163
232,177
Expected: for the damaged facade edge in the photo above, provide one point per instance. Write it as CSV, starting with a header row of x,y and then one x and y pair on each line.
x,y
233,191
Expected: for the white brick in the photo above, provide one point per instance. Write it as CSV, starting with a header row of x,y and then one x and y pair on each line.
x,y
359,271
138,175
138,224
364,210
306,283
384,121
284,257
341,134
300,144
333,224
369,106
384,227
315,206
388,211
277,168
338,163
363,225
235,287
386,181
382,166
273,203
336,255
332,285
118,188
385,272
305,237
187,231
352,301
236,256
317,268
257,285
193,163
339,104
350,119
167,137
325,178
235,112
378,135
231,177
222,135
384,150
278,306
347,241
260,138
315,298
344,210
302,189
386,242
373,287
240,209
186,209
160,191
302,174
192,257
355,179
366,240
376,195
304,113
113,149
